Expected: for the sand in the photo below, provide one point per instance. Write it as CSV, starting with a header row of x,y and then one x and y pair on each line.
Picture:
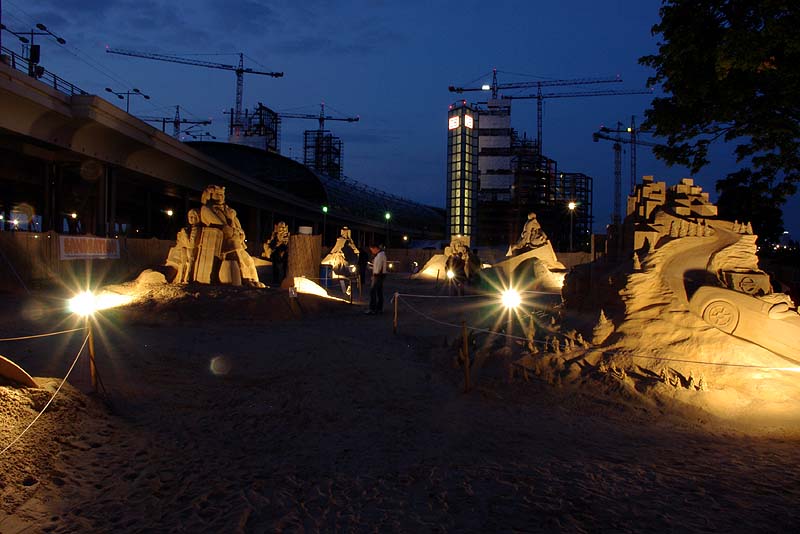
x,y
229,414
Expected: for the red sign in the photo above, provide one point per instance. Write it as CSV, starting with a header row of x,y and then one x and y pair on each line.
x,y
72,247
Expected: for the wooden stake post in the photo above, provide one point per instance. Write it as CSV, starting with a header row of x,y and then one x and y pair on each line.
x,y
92,365
396,303
465,353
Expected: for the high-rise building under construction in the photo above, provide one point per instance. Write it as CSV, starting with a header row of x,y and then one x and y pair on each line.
x,y
513,179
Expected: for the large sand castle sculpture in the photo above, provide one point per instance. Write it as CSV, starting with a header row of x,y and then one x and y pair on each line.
x,y
212,248
693,311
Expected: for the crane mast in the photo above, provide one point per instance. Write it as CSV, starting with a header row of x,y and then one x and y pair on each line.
x,y
618,140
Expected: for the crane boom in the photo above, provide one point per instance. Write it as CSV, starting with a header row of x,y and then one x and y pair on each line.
x,y
321,117
539,96
239,69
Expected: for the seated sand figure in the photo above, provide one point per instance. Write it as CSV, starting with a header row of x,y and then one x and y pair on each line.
x,y
532,237
276,250
343,254
223,238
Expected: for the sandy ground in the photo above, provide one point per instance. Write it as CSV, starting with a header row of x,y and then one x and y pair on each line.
x,y
225,422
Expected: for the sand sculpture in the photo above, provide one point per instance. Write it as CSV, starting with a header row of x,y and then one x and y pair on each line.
x,y
276,250
343,257
212,248
532,262
695,312
532,237
457,257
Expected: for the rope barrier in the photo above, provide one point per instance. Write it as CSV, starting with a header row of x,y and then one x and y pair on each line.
x,y
472,328
633,356
21,338
11,266
721,364
71,367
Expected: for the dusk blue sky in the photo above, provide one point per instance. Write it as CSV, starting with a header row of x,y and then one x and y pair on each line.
x,y
388,62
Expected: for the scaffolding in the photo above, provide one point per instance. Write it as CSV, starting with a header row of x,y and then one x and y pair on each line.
x,y
257,129
322,151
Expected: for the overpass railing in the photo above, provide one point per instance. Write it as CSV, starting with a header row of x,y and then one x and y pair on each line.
x,y
22,64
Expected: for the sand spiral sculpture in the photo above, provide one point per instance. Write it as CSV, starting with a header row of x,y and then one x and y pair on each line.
x,y
212,249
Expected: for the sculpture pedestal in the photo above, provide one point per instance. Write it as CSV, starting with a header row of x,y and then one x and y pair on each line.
x,y
304,258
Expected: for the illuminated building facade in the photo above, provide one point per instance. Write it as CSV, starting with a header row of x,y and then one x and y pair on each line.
x,y
462,170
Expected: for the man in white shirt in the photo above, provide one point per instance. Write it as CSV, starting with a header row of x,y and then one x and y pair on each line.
x,y
378,274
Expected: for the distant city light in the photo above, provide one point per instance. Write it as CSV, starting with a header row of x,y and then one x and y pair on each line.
x,y
169,213
324,209
73,215
485,87
572,206
387,215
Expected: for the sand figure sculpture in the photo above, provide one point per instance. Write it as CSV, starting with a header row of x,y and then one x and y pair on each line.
x,y
187,244
343,257
532,237
276,250
211,249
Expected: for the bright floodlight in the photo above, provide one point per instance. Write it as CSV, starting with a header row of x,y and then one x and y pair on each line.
x,y
571,206
510,298
450,274
87,303
83,304
485,87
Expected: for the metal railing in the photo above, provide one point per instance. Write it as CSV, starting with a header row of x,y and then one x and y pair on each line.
x,y
22,64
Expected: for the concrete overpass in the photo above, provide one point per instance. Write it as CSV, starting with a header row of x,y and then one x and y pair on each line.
x,y
70,152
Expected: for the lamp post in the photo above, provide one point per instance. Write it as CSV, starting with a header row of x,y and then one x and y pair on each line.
x,y
388,217
324,222
127,96
34,52
571,207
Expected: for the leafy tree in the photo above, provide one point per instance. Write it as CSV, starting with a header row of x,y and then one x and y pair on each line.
x,y
730,70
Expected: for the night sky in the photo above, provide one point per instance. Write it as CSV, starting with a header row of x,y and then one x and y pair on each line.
x,y
388,62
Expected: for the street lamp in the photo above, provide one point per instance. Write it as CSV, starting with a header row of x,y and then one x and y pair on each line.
x,y
388,217
34,53
127,95
324,221
571,207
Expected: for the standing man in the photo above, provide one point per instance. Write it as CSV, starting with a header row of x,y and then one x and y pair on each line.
x,y
378,274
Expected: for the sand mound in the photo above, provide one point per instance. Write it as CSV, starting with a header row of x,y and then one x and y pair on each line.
x,y
41,457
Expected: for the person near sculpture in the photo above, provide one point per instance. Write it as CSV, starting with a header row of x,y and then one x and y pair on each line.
x,y
379,267
276,249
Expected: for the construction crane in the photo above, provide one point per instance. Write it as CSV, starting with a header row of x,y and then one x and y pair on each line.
x,y
176,122
618,140
239,69
321,117
539,96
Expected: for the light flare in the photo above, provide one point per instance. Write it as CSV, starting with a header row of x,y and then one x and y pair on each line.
x,y
87,303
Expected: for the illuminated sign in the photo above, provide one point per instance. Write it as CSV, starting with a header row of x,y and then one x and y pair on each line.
x,y
87,248
452,124
468,121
